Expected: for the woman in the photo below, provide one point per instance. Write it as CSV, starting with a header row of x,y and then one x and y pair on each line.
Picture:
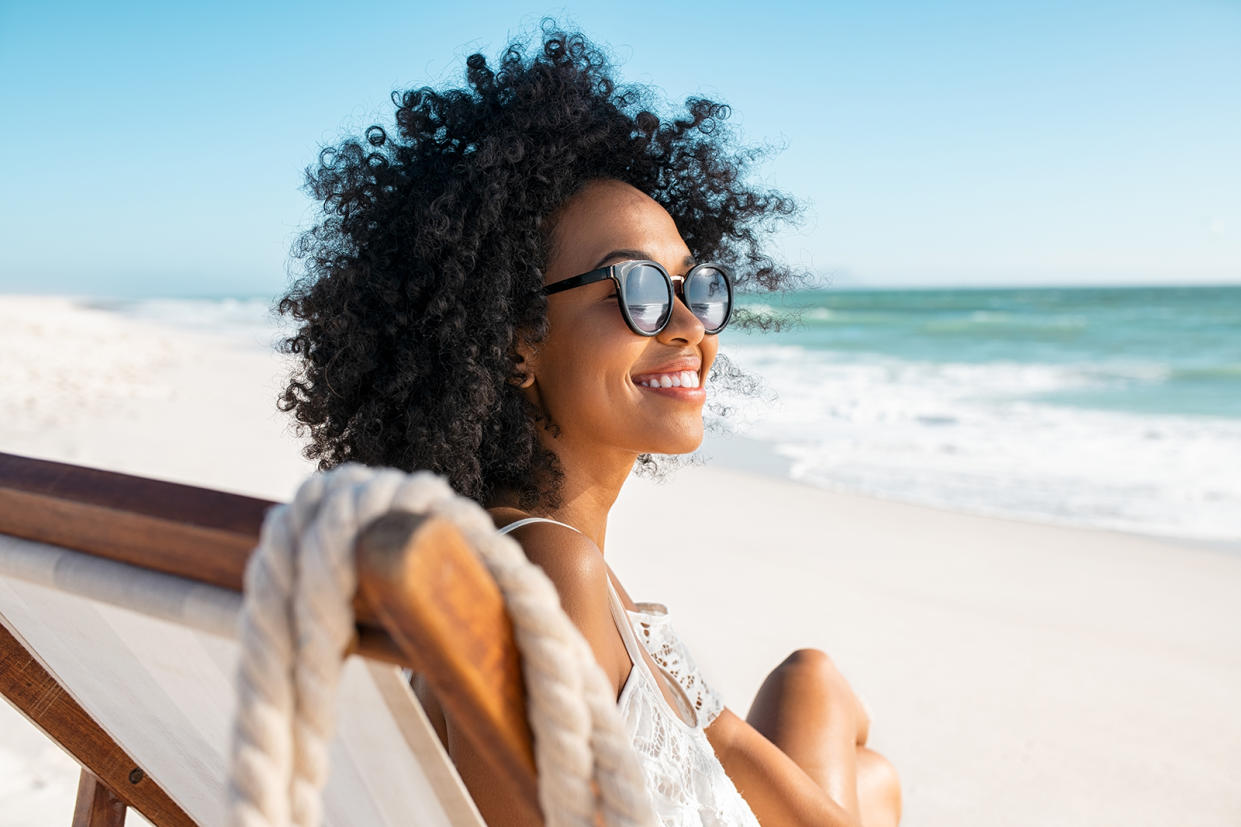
x,y
517,291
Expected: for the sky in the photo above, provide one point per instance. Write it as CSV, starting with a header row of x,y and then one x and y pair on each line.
x,y
158,149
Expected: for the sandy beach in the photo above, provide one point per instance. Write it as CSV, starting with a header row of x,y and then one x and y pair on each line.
x,y
1018,673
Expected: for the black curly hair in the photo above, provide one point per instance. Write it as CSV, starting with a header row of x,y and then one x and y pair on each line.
x,y
426,266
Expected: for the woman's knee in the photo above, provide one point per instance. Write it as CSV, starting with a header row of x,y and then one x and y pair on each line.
x,y
879,789
807,659
815,669
813,662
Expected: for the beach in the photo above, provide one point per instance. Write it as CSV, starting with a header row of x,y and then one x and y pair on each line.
x,y
1018,672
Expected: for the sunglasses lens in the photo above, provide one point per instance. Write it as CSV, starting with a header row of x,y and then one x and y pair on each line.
x,y
648,296
708,297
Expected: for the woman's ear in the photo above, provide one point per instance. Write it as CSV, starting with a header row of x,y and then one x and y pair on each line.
x,y
524,357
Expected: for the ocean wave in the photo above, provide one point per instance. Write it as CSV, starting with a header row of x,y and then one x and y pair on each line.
x,y
991,437
1002,324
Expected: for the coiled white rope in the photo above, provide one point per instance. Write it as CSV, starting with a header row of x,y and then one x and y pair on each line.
x,y
297,620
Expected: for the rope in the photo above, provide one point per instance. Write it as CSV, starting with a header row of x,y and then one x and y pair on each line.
x,y
297,622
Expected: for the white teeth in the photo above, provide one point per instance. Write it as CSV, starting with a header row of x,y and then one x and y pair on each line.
x,y
680,379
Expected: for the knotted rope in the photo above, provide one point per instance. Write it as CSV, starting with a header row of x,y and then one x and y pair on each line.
x,y
297,621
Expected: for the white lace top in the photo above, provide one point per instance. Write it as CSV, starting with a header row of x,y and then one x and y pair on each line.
x,y
654,629
685,778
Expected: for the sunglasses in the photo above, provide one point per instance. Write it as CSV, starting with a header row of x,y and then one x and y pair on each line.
x,y
645,292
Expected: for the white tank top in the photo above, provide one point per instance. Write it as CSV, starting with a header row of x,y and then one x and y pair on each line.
x,y
686,781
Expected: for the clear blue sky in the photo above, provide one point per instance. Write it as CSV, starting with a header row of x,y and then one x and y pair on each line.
x,y
158,149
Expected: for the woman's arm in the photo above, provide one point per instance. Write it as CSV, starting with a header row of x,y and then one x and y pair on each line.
x,y
777,790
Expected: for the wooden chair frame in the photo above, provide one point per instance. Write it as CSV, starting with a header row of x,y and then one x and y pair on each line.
x,y
425,601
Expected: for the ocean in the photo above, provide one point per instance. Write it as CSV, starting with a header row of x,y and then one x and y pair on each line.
x,y
1107,407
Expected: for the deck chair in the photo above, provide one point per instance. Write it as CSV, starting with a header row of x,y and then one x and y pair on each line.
x,y
118,600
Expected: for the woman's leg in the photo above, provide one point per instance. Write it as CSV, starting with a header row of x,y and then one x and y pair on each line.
x,y
807,709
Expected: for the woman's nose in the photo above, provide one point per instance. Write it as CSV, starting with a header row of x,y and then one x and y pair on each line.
x,y
683,326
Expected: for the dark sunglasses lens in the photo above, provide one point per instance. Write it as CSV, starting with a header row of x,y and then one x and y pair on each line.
x,y
708,297
648,296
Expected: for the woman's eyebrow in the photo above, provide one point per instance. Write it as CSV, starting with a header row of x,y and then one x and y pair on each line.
x,y
686,262
623,253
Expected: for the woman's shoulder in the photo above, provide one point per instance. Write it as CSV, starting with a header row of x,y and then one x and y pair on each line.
x,y
574,564
570,558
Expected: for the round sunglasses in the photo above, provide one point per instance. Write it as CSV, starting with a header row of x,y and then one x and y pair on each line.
x,y
645,292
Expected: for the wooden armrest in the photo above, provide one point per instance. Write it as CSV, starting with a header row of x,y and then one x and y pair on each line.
x,y
446,615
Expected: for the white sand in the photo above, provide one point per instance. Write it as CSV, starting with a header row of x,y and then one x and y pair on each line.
x,y
1018,673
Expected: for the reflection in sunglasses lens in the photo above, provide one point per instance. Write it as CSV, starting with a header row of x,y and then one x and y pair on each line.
x,y
707,296
648,296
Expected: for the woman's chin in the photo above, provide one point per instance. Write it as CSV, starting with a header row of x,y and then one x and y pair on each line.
x,y
686,443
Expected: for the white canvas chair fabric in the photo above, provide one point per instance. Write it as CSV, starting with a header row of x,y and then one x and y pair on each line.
x,y
152,658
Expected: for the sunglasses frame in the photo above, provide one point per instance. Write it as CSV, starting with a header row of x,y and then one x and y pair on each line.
x,y
676,286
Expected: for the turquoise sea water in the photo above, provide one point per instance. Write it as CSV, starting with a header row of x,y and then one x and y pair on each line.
x,y
1117,407
1174,350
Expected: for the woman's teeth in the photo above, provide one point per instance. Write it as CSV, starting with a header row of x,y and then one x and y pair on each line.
x,y
681,379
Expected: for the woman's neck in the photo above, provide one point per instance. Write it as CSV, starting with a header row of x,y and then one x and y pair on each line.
x,y
588,489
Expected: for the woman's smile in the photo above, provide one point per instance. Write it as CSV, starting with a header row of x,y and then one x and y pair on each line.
x,y
677,380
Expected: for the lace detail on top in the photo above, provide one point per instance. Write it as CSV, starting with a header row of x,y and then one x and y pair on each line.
x,y
654,628
687,783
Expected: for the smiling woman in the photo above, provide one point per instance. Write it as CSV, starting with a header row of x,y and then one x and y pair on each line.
x,y
517,290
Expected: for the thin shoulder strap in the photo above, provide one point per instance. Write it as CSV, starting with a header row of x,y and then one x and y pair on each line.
x,y
614,602
516,524
624,626
686,714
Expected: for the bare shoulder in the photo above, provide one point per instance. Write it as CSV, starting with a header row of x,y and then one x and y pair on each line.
x,y
576,567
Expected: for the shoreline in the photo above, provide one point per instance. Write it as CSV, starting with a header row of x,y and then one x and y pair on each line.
x,y
744,454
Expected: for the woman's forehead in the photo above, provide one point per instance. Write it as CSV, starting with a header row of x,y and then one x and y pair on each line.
x,y
607,216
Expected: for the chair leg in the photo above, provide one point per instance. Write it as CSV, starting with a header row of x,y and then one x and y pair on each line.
x,y
96,805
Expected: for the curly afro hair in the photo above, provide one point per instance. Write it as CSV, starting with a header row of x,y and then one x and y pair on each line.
x,y
425,267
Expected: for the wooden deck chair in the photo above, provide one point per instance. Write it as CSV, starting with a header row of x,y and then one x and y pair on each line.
x,y
118,598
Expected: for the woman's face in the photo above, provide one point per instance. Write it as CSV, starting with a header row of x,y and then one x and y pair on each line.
x,y
588,372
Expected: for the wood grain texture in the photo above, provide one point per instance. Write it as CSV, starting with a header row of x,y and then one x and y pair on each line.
x,y
443,610
96,806
196,533
28,686
180,529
